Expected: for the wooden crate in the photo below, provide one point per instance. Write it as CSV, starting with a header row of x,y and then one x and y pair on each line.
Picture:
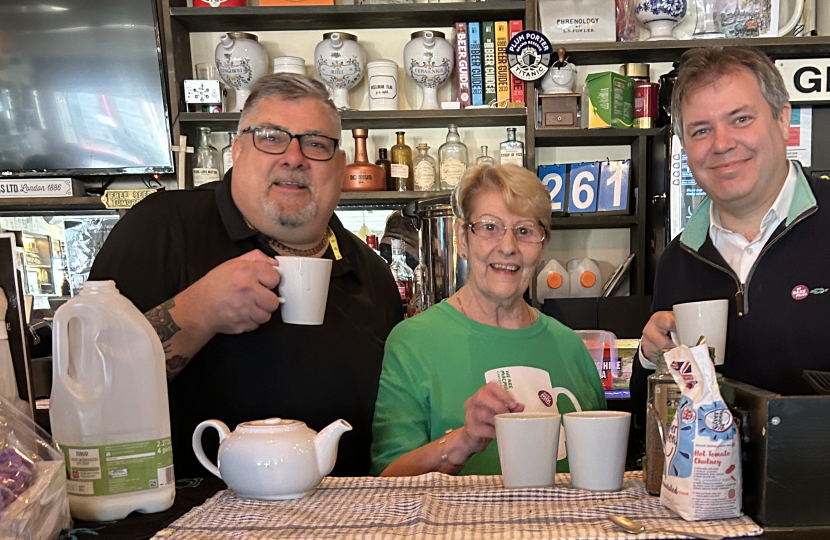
x,y
786,455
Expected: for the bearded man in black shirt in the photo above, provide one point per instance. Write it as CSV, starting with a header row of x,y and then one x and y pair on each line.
x,y
200,265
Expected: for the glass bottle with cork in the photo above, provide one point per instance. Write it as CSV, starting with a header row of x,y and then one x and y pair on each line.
x,y
511,151
227,152
384,163
362,175
401,167
484,159
206,160
452,159
424,168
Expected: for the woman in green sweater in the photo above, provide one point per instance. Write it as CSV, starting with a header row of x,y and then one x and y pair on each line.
x,y
434,411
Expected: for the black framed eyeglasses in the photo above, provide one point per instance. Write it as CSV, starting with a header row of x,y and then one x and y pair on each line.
x,y
271,140
493,230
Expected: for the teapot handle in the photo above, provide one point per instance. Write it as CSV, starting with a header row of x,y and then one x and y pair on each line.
x,y
223,430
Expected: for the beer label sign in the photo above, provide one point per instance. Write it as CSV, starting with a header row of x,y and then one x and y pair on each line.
x,y
529,55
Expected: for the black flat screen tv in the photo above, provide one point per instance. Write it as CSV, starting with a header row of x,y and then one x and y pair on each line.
x,y
81,89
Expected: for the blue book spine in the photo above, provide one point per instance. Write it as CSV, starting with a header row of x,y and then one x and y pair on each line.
x,y
476,74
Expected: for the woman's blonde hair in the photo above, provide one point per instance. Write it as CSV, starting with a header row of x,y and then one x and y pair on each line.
x,y
523,192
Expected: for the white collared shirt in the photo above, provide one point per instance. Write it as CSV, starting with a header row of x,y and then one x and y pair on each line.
x,y
736,250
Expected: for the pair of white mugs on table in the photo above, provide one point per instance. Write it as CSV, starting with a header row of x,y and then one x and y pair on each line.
x,y
303,289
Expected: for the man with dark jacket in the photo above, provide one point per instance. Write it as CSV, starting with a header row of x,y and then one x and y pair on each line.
x,y
760,239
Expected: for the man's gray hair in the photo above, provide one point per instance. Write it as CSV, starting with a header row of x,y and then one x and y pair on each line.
x,y
287,86
705,65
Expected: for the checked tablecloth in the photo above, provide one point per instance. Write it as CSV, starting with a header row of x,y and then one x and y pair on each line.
x,y
438,506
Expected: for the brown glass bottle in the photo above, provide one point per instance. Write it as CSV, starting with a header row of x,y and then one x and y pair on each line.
x,y
384,163
363,175
402,165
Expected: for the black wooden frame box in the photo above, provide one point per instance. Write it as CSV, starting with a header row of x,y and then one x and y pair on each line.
x,y
786,455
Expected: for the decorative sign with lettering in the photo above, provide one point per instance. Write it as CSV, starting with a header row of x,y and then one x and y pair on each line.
x,y
807,80
582,188
124,198
529,55
36,187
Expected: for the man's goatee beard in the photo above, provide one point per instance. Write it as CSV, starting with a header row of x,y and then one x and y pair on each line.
x,y
274,211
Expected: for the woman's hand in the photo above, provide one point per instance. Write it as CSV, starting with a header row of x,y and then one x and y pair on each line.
x,y
480,419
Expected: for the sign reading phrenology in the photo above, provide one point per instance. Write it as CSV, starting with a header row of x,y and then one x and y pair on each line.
x,y
806,79
529,55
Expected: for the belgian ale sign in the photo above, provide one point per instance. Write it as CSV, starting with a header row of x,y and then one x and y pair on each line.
x,y
806,79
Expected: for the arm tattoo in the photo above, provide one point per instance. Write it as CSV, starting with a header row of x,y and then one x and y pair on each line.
x,y
162,322
166,328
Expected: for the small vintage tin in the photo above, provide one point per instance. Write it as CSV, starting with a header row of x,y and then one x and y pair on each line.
x,y
645,104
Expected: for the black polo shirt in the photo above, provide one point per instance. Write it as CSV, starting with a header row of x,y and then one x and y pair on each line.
x,y
316,374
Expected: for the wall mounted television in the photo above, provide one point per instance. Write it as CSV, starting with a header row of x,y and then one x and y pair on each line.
x,y
82,89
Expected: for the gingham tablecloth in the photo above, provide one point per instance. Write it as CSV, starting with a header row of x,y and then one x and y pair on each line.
x,y
438,506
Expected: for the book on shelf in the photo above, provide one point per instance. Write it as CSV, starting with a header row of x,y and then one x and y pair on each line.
x,y
476,68
502,68
488,44
462,63
517,86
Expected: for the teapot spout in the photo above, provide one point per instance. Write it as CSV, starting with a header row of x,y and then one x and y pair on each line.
x,y
325,444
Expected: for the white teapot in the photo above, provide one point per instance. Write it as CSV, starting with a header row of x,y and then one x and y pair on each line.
x,y
272,459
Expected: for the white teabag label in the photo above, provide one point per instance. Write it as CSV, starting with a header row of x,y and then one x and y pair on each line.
x,y
702,471
532,388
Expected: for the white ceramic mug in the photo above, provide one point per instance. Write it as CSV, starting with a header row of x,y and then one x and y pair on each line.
x,y
707,318
597,443
527,444
289,64
383,85
304,287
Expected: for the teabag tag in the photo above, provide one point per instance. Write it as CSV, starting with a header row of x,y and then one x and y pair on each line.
x,y
702,472
532,387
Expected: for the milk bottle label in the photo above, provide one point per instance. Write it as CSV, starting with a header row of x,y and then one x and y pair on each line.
x,y
119,468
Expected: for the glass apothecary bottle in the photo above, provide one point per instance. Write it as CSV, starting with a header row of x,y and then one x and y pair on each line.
x,y
384,163
452,159
424,168
403,274
511,151
227,153
484,159
206,160
402,165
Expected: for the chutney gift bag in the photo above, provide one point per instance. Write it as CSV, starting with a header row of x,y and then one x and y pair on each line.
x,y
702,471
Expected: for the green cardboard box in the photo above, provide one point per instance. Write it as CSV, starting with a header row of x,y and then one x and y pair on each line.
x,y
609,99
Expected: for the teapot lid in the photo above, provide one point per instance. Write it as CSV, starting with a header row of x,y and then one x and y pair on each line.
x,y
271,425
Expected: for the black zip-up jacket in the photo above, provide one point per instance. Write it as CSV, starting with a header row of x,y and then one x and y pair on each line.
x,y
779,320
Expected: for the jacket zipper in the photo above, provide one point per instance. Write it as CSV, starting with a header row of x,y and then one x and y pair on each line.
x,y
741,298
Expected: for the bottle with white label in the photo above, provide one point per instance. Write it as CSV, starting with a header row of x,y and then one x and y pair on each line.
x,y
424,166
511,151
452,159
206,160
227,153
402,174
108,406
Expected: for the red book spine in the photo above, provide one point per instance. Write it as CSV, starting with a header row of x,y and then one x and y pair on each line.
x,y
517,86
462,62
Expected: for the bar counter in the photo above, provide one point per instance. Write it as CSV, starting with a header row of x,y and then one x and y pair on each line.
x,y
191,493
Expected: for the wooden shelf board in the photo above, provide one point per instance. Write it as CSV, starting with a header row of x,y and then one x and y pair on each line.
x,y
593,221
385,198
671,50
264,18
53,205
385,119
590,137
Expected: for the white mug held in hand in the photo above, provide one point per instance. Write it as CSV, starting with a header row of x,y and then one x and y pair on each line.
x,y
304,289
707,318
597,443
527,444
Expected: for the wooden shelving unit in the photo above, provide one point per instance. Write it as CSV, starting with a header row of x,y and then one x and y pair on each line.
x,y
368,199
260,18
52,205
